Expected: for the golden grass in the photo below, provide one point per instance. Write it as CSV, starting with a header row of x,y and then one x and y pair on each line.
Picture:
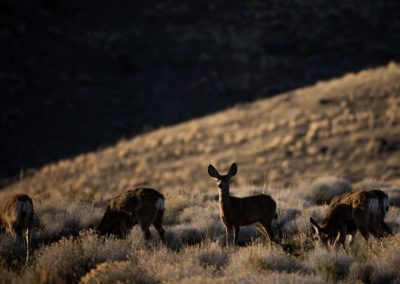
x,y
195,250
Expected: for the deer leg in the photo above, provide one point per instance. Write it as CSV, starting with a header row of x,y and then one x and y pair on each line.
x,y
265,228
352,237
27,244
123,229
361,221
386,229
145,229
158,225
18,232
262,230
383,228
237,229
146,216
229,235
335,241
340,238
376,228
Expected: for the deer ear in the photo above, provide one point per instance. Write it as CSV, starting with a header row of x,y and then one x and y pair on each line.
x,y
212,171
232,170
314,224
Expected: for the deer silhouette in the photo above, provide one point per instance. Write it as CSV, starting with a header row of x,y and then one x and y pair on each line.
x,y
236,212
143,206
16,218
362,211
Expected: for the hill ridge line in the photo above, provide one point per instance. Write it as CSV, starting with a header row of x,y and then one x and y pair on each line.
x,y
300,134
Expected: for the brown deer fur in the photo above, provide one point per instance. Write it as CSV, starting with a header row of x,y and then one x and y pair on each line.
x,y
16,219
361,210
235,212
143,206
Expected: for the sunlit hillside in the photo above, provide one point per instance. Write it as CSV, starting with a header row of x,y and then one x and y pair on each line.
x,y
302,147
347,127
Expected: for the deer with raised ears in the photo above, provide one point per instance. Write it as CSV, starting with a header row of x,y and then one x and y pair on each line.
x,y
16,218
235,212
362,211
143,206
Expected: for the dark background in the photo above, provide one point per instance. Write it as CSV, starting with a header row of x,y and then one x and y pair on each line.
x,y
76,76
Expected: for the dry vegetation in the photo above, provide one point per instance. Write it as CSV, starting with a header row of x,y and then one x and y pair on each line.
x,y
284,147
65,251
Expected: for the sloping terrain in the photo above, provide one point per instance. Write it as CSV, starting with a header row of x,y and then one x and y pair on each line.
x,y
347,127
79,75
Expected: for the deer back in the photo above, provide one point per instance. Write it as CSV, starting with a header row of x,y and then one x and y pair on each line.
x,y
249,210
375,202
16,214
339,216
132,200
126,206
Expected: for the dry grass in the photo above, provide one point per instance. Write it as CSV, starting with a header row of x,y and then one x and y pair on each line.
x,y
195,250
116,271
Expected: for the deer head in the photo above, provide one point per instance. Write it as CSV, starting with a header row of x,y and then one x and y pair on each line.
x,y
223,180
318,233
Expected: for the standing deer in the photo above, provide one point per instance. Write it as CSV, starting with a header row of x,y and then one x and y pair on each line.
x,y
143,206
235,212
362,210
16,218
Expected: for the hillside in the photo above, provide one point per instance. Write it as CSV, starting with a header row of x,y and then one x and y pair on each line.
x,y
289,146
347,127
76,76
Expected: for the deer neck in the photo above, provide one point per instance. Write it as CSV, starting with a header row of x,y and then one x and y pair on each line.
x,y
225,204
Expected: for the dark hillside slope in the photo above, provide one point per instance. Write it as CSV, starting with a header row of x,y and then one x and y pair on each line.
x,y
76,76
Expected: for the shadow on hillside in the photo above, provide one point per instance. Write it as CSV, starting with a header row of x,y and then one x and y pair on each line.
x,y
78,76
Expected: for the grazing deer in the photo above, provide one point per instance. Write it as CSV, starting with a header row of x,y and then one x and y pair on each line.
x,y
235,212
335,227
143,206
16,218
362,210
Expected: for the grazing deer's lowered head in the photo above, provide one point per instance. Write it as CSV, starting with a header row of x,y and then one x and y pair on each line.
x,y
16,218
336,226
143,206
235,212
362,211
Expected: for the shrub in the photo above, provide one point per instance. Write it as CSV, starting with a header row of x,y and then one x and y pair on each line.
x,y
386,260
164,264
330,265
64,220
116,272
259,257
359,271
196,224
11,251
70,258
210,254
322,190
